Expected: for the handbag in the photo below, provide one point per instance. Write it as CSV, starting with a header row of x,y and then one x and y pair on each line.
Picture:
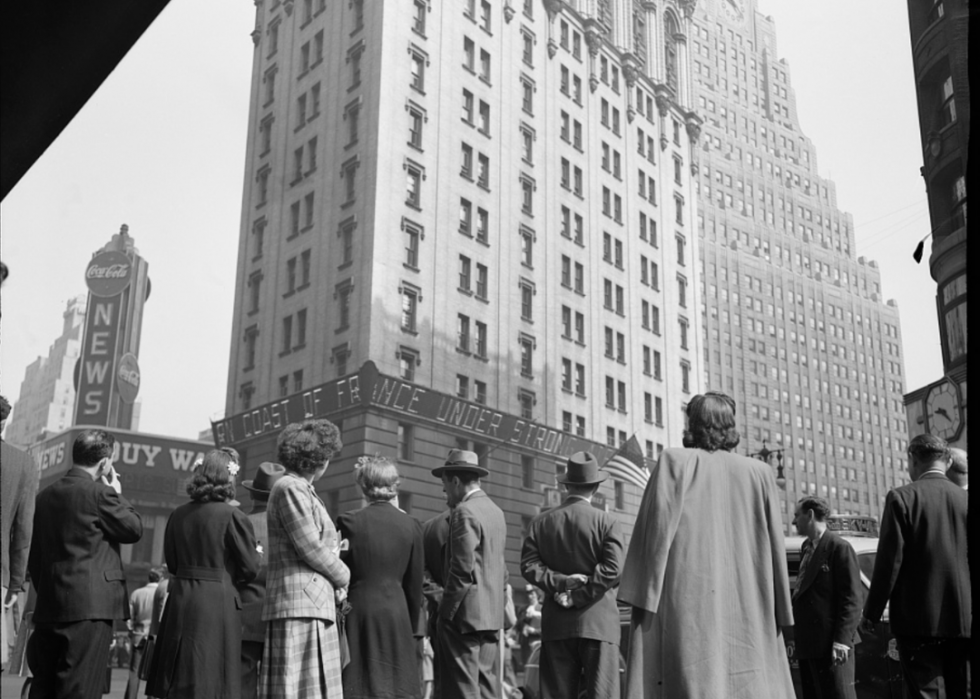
x,y
144,669
343,609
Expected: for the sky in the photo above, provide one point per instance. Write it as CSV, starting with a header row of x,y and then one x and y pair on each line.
x,y
161,148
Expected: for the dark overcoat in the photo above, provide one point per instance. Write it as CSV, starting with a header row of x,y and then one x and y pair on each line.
x,y
386,559
210,551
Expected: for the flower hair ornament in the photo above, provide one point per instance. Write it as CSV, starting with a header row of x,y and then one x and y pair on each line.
x,y
233,468
197,462
362,461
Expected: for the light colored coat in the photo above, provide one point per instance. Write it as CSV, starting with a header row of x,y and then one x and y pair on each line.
x,y
303,568
706,575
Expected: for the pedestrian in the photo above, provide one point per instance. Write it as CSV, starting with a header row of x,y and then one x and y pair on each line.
x,y
435,532
306,578
80,521
253,594
471,614
705,572
574,554
827,604
530,623
958,468
140,619
386,559
209,546
18,488
921,573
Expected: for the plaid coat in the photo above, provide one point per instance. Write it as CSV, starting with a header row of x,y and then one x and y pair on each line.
x,y
303,568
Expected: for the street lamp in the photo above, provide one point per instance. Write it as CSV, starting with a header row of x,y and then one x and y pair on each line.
x,y
765,454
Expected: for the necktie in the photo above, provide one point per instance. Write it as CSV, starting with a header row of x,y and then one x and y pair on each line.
x,y
803,564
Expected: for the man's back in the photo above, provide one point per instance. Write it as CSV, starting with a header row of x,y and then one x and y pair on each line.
x,y
19,486
921,564
79,524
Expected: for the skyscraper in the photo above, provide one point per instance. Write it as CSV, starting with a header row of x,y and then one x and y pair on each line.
x,y
47,393
493,201
796,326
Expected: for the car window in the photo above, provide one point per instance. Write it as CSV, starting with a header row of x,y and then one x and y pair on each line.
x,y
866,561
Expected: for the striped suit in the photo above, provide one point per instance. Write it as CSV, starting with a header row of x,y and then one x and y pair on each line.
x,y
301,657
471,613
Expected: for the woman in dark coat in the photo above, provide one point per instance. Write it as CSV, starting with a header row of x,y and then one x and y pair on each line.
x,y
210,550
385,558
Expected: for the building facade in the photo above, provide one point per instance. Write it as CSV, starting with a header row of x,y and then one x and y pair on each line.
x,y
939,32
47,393
796,327
488,201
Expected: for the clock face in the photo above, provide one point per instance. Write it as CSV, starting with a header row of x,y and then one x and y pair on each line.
x,y
943,411
735,9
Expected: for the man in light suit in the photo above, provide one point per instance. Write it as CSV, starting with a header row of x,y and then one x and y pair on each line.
x,y
471,613
921,569
574,553
253,628
826,605
79,523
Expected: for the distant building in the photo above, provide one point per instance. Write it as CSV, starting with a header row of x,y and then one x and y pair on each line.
x,y
490,203
47,393
796,327
940,37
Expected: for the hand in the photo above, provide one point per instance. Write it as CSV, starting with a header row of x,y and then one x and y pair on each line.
x,y
340,594
867,626
575,581
111,479
563,599
839,653
9,599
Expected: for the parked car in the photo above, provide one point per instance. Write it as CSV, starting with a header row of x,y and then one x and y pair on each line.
x,y
877,671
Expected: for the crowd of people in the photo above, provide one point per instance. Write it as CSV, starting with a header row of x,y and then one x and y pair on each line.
x,y
290,600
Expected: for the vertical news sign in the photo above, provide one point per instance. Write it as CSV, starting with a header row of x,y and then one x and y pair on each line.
x,y
107,276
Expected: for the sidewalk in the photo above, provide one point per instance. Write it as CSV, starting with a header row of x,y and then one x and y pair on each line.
x,y
10,686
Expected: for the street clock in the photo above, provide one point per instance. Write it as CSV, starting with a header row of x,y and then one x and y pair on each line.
x,y
944,411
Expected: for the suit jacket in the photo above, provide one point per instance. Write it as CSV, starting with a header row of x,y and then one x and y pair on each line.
x,y
473,596
79,524
18,488
253,628
576,538
303,567
921,566
827,606
435,533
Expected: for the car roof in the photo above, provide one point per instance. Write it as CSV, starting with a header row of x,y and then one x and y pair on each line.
x,y
860,544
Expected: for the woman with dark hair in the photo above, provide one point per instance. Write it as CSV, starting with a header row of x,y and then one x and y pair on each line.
x,y
385,558
706,571
305,577
210,551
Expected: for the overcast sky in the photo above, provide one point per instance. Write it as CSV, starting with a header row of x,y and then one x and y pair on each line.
x,y
161,147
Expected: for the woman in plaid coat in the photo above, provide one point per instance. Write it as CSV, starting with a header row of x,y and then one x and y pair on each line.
x,y
305,577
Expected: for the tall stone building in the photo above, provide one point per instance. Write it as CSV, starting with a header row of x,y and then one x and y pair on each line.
x,y
47,393
795,323
485,204
940,40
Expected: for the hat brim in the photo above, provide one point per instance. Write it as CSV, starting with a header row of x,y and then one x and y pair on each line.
x,y
600,477
478,470
248,486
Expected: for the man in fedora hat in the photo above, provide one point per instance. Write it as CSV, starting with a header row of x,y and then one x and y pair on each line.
x,y
253,628
574,553
471,613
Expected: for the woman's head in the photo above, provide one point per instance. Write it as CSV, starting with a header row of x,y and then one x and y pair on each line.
x,y
377,477
711,423
305,447
214,476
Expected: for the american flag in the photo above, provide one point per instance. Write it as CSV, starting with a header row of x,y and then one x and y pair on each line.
x,y
627,464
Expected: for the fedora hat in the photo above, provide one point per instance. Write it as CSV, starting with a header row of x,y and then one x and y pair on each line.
x,y
265,478
461,460
582,469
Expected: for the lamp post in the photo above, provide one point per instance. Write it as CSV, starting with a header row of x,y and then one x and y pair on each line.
x,y
766,454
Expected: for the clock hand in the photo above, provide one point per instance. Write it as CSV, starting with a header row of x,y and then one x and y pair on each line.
x,y
942,411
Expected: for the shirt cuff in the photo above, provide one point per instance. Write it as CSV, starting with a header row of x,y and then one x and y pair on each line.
x,y
841,646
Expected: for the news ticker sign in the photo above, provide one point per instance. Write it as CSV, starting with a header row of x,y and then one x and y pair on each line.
x,y
369,388
107,276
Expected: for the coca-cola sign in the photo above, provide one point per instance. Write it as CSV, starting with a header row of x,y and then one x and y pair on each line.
x,y
128,378
108,273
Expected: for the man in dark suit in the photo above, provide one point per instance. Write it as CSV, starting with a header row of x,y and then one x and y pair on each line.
x,y
471,613
79,523
921,569
826,605
574,553
18,486
253,628
435,533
